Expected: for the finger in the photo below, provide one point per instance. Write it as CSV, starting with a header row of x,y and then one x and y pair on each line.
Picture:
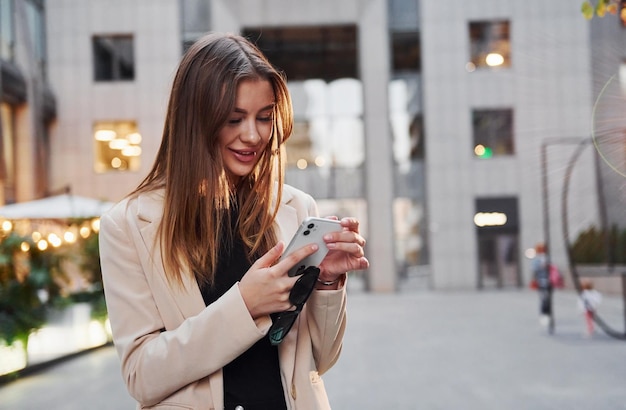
x,y
271,256
292,259
363,263
344,236
354,249
351,223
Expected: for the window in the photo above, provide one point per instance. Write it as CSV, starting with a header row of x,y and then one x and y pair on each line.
x,y
7,154
113,58
406,120
325,52
117,146
195,20
493,132
36,25
489,45
405,48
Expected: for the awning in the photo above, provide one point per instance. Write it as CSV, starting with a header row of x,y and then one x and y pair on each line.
x,y
64,206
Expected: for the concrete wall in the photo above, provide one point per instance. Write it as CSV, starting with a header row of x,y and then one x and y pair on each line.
x,y
81,101
548,87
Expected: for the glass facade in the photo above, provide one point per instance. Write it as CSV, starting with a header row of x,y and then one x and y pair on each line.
x,y
406,121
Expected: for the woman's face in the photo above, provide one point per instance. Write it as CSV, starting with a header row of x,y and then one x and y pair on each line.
x,y
246,133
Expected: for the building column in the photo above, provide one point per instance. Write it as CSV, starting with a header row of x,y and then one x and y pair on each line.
x,y
379,181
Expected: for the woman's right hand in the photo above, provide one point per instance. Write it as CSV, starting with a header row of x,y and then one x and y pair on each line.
x,y
265,287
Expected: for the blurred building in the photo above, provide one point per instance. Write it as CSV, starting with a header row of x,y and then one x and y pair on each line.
x,y
27,105
426,119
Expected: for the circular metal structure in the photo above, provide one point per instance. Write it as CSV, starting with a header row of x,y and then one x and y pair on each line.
x,y
576,274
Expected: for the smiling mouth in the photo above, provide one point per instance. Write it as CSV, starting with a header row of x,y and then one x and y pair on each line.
x,y
244,156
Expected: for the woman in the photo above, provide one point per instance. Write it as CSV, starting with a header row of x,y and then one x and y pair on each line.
x,y
190,258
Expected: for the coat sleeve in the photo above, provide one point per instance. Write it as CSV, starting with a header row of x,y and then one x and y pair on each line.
x,y
326,315
160,349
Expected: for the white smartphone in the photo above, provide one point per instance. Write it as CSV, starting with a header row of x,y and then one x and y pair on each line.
x,y
311,230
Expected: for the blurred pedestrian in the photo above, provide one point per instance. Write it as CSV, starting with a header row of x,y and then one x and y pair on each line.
x,y
588,301
541,276
190,259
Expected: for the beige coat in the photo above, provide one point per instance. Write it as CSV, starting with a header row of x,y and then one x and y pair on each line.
x,y
172,348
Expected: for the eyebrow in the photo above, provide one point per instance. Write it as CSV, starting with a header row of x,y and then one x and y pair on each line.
x,y
267,107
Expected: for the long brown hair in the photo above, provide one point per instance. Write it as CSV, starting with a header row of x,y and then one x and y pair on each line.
x,y
189,167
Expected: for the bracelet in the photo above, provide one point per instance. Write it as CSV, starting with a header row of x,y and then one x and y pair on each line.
x,y
328,282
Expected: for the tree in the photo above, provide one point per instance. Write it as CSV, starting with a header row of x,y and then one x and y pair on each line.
x,y
602,7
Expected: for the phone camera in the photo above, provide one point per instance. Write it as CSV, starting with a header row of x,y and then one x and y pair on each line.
x,y
310,226
305,233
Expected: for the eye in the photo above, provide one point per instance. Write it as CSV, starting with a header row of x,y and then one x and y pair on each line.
x,y
265,118
234,121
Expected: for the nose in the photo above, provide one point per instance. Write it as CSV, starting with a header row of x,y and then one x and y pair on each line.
x,y
249,132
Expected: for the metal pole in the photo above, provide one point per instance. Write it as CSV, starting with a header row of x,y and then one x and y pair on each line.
x,y
546,205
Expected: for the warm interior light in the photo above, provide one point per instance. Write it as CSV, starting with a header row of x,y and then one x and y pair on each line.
x,y
84,232
42,245
69,237
131,151
116,162
54,240
7,226
105,135
134,138
494,59
95,224
490,219
118,143
302,163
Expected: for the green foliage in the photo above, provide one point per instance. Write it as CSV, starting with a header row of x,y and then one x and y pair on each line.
x,y
21,309
600,9
32,281
596,246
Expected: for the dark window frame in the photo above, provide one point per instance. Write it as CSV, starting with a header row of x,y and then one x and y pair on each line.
x,y
326,52
111,62
494,129
489,36
405,52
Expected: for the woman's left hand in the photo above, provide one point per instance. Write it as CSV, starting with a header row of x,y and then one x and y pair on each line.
x,y
345,251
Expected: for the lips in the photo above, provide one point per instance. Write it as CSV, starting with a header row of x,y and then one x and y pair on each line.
x,y
244,155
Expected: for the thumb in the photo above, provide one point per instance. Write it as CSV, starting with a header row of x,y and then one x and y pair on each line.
x,y
271,256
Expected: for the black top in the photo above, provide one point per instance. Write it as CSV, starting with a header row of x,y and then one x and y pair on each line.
x,y
252,380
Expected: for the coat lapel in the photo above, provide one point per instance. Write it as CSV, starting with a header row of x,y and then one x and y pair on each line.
x,y
286,222
188,297
149,213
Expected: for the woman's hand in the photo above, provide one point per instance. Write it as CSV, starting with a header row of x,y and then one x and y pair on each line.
x,y
265,287
346,252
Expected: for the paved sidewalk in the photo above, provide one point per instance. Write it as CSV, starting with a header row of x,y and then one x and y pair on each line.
x,y
414,350
477,350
